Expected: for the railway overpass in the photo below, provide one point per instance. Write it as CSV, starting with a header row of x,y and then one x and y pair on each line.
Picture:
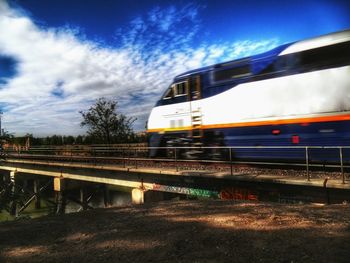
x,y
150,179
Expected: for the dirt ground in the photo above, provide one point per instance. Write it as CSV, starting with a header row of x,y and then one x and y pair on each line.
x,y
184,231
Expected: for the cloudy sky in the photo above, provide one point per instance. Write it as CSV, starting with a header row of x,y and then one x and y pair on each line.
x,y
57,57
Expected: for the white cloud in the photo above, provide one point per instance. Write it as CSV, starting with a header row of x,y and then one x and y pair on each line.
x,y
59,74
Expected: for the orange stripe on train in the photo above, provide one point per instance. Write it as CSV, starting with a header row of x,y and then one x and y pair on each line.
x,y
301,121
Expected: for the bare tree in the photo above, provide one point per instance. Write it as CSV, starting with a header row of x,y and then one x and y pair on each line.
x,y
105,124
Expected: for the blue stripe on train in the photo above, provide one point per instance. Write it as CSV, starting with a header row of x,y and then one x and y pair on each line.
x,y
313,134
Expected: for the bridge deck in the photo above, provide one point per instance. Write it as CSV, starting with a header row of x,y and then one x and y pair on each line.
x,y
64,169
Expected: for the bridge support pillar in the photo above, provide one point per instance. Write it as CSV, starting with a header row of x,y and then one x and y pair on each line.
x,y
106,196
13,204
84,197
24,184
60,196
37,199
137,196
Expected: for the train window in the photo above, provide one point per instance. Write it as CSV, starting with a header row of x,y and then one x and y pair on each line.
x,y
327,55
317,58
169,94
231,73
180,89
280,64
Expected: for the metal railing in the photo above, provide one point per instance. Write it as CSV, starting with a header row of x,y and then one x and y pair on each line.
x,y
205,154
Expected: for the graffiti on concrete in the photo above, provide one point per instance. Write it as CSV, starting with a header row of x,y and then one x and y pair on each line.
x,y
185,190
238,194
203,193
294,199
156,187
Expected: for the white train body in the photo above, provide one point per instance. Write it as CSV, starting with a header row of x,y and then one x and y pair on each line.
x,y
300,89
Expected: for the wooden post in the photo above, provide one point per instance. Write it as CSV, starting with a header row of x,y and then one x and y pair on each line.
x,y
25,185
59,195
37,199
106,196
6,179
83,197
13,204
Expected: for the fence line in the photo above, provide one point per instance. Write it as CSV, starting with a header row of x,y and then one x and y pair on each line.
x,y
127,150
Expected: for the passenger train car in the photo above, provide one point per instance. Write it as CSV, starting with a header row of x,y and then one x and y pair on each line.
x,y
296,94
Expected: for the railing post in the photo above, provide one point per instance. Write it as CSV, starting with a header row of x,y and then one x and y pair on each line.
x,y
341,164
123,156
231,161
307,162
129,153
175,158
136,158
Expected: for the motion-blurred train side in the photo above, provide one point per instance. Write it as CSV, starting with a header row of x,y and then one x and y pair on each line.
x,y
297,94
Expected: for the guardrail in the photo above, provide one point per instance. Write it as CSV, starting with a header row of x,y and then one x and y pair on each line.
x,y
228,155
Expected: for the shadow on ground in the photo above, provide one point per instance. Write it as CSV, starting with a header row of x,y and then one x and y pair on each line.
x,y
184,231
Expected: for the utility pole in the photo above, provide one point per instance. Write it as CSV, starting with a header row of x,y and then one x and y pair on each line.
x,y
0,122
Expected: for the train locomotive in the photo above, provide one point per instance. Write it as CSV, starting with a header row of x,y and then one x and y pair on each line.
x,y
296,94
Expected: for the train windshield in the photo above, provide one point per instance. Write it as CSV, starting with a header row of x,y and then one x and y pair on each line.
x,y
175,90
169,93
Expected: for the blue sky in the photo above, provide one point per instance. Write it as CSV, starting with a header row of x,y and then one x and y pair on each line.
x,y
57,57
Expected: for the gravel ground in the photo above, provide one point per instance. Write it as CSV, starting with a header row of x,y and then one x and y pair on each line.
x,y
184,231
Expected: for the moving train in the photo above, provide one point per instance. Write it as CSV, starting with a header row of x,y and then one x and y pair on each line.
x,y
296,94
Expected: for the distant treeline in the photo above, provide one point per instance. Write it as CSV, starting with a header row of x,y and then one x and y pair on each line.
x,y
104,124
69,140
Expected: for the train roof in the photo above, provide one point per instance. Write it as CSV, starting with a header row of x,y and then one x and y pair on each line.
x,y
294,47
324,40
